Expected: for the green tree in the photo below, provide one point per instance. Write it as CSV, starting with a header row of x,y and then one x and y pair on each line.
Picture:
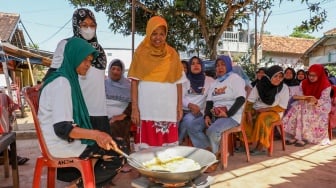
x,y
300,33
209,18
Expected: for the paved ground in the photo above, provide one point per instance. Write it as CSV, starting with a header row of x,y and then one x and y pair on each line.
x,y
312,166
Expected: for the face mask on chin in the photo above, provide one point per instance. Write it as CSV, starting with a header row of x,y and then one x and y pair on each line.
x,y
87,33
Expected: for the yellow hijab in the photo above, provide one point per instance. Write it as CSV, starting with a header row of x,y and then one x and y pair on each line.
x,y
155,64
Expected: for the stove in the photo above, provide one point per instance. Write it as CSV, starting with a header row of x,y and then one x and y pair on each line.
x,y
203,181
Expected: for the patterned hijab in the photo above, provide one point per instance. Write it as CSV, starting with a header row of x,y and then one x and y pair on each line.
x,y
196,80
119,90
155,64
76,50
266,90
315,88
79,16
228,65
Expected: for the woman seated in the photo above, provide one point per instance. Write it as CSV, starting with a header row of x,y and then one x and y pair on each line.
x,y
118,99
64,117
301,75
265,105
195,91
292,83
224,102
307,120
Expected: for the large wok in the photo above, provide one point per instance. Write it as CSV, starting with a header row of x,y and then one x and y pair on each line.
x,y
201,156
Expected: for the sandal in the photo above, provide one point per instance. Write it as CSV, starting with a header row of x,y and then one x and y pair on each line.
x,y
300,143
256,152
22,160
79,183
239,149
291,142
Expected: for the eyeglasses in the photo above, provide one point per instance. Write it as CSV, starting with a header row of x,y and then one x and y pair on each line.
x,y
312,75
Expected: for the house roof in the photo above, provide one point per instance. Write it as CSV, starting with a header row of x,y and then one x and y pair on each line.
x,y
331,32
13,41
327,35
19,53
289,45
8,25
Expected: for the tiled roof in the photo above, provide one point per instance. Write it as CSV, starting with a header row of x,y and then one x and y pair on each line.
x,y
289,45
331,32
8,25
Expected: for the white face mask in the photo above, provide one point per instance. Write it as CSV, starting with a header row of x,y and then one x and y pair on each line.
x,y
87,33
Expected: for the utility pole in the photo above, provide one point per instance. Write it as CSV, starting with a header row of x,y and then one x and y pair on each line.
x,y
255,36
133,25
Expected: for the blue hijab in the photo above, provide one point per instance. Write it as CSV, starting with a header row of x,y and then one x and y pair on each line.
x,y
196,80
228,65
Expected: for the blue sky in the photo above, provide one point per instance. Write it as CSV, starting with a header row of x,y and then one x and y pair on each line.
x,y
45,21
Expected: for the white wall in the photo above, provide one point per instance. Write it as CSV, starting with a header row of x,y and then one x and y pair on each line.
x,y
124,54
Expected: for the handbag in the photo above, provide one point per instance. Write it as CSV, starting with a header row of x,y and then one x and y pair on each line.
x,y
217,110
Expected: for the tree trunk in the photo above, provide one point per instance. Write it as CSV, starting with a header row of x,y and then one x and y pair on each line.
x,y
213,49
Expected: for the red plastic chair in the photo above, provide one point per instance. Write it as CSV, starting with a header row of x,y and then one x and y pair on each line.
x,y
280,125
84,166
228,140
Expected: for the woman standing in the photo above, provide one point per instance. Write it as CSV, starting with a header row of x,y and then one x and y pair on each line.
x,y
156,88
265,105
307,120
84,26
195,92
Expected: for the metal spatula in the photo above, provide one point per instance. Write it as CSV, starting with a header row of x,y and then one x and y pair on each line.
x,y
135,162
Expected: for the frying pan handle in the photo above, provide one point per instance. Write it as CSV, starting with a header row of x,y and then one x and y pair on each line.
x,y
209,164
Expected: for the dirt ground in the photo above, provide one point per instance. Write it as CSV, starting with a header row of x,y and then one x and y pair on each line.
x,y
310,166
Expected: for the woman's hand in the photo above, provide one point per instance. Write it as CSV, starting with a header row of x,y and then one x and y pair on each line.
x,y
135,116
117,118
195,109
104,140
311,100
221,113
207,121
179,113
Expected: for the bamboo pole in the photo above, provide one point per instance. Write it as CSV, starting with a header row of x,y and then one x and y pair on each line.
x,y
30,71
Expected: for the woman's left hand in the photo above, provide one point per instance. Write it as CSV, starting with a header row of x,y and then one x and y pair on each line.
x,y
179,113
